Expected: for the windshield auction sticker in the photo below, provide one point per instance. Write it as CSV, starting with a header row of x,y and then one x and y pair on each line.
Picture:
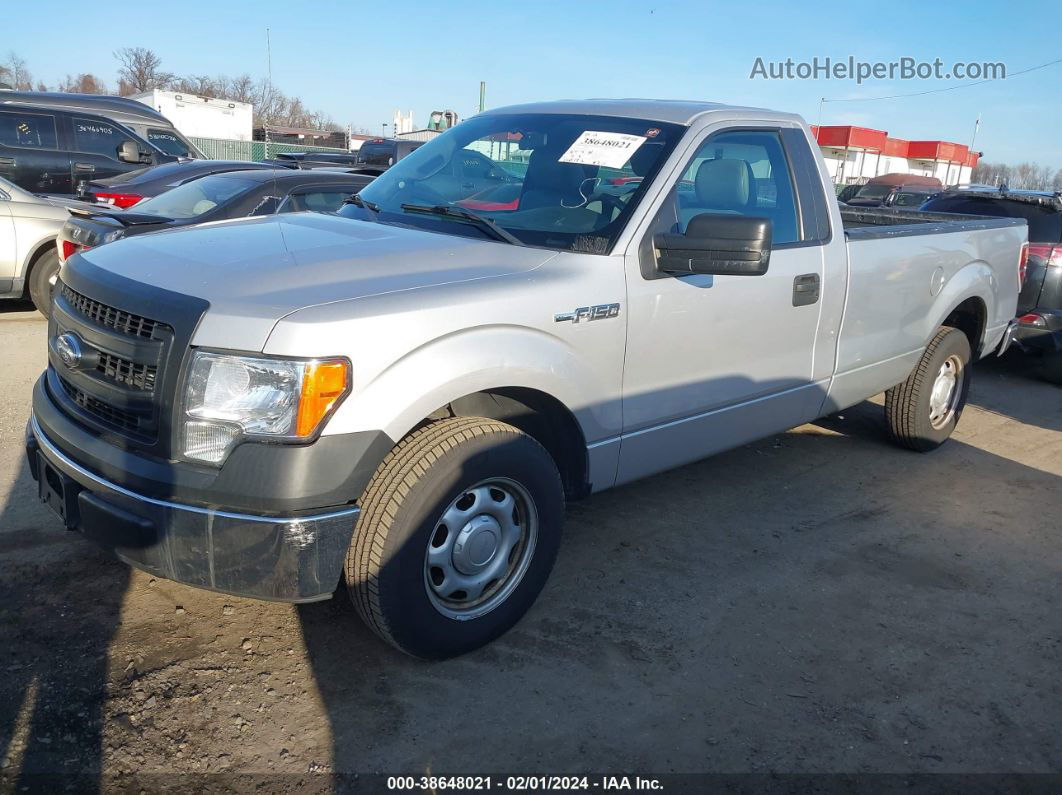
x,y
594,148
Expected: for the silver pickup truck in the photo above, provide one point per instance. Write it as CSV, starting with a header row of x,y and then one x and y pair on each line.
x,y
541,303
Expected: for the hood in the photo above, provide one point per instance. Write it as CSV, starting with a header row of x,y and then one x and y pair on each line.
x,y
253,272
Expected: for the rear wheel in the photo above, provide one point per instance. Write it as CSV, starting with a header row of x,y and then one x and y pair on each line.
x,y
42,280
458,532
923,410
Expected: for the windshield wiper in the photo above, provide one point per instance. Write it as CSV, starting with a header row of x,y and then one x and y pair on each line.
x,y
449,211
357,201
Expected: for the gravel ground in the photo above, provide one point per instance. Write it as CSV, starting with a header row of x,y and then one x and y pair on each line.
x,y
819,601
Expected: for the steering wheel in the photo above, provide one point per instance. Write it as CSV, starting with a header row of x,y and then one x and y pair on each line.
x,y
615,202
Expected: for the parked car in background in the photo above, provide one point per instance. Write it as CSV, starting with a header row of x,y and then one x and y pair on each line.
x,y
49,150
405,393
142,119
912,197
29,225
882,191
125,190
1040,300
316,159
382,153
846,192
214,197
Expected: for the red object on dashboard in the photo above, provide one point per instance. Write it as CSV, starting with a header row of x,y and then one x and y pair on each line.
x,y
497,207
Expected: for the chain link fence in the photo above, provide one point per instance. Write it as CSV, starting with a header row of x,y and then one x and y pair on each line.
x,y
222,149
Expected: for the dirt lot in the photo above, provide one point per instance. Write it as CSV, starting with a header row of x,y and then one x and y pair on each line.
x,y
819,601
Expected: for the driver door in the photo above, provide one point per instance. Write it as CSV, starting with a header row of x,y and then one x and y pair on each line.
x,y
95,145
713,362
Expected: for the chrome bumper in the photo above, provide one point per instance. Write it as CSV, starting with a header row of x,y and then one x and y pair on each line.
x,y
282,558
1008,337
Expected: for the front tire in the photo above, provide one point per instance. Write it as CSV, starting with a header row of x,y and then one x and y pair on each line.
x,y
42,281
923,410
458,532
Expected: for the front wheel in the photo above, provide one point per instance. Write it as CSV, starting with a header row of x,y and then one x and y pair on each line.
x,y
923,410
458,532
42,281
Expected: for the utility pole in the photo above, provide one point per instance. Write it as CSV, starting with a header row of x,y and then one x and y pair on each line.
x,y
973,138
269,79
977,125
482,95
269,59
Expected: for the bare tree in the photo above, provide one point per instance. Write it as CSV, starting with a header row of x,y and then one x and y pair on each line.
x,y
240,89
85,83
1023,176
15,73
203,85
141,70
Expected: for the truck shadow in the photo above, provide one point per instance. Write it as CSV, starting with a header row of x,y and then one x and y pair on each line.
x,y
54,658
754,611
1012,387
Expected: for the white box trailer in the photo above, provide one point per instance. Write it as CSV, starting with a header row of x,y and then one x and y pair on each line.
x,y
202,117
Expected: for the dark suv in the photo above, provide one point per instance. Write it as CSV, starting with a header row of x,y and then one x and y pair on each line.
x,y
50,150
1040,300
382,153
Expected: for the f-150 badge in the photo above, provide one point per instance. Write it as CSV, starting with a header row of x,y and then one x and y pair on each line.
x,y
588,313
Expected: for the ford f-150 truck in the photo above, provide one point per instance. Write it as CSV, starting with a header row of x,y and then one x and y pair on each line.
x,y
397,399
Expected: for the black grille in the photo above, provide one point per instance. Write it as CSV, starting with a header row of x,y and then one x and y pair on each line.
x,y
108,316
140,376
115,417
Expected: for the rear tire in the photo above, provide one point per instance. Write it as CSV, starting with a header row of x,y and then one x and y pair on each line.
x,y
42,281
923,410
461,503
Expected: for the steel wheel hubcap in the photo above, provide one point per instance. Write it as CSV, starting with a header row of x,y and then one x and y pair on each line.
x,y
947,387
480,548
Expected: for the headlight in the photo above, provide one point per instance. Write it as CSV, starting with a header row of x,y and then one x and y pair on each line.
x,y
229,397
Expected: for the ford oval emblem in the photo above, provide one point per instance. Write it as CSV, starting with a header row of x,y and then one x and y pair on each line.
x,y
69,349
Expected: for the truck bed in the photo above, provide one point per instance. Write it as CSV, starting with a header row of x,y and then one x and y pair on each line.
x,y
865,223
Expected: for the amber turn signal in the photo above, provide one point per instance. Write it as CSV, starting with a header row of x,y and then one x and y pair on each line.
x,y
324,384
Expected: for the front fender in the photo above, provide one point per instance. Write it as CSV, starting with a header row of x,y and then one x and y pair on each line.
x,y
477,359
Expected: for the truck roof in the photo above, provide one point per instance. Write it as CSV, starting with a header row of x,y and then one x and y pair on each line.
x,y
676,111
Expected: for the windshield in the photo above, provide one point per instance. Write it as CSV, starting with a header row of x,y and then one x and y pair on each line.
x,y
171,142
552,180
197,197
873,192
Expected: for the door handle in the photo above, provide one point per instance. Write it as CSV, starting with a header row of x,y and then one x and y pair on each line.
x,y
84,167
7,161
806,289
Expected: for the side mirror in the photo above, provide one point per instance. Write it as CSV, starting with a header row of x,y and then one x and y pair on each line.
x,y
129,152
721,245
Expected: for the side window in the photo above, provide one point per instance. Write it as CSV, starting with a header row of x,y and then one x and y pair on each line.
x,y
32,130
320,200
743,172
97,137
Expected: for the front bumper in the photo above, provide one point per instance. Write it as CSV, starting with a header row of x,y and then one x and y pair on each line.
x,y
282,558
